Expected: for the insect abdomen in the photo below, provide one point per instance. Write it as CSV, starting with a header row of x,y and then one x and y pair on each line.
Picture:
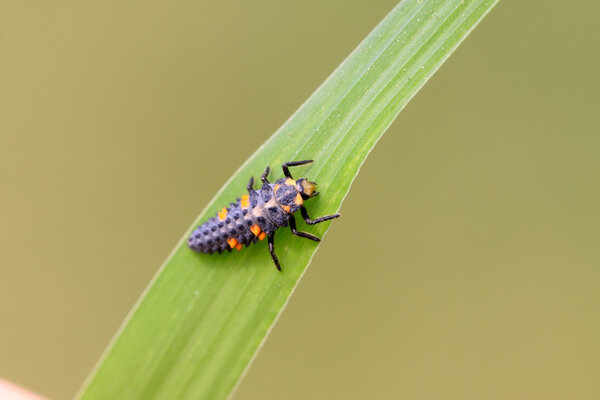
x,y
242,223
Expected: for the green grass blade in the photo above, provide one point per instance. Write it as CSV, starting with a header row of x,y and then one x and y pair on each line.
x,y
203,318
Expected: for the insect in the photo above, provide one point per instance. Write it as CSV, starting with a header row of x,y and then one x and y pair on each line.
x,y
259,214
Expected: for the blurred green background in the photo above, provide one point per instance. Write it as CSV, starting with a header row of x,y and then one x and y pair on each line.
x,y
466,264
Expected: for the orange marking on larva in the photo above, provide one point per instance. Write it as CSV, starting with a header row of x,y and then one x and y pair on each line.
x,y
255,229
222,214
262,235
245,202
238,246
290,182
276,187
298,200
286,208
232,242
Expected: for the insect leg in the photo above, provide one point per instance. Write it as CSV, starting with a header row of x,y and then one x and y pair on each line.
x,y
318,220
250,186
292,222
264,177
285,166
271,240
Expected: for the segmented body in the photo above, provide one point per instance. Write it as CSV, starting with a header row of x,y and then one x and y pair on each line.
x,y
252,217
258,214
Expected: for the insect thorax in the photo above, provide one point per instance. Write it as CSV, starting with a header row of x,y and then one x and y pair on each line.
x,y
287,195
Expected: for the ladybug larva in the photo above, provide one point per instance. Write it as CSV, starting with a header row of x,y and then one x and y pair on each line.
x,y
258,214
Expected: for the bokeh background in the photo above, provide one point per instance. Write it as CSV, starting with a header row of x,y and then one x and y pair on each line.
x,y
467,261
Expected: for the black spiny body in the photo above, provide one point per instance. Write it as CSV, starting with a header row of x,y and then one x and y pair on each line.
x,y
258,214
